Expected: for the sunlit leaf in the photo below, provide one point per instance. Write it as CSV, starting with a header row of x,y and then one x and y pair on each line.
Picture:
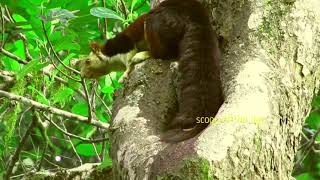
x,y
105,13
106,163
305,176
88,149
60,14
313,120
80,108
40,97
133,4
107,90
22,20
63,95
27,69
10,64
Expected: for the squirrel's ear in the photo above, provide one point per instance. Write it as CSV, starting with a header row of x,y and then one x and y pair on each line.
x,y
95,47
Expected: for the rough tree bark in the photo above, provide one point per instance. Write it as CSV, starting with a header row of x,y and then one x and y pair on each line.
x,y
270,72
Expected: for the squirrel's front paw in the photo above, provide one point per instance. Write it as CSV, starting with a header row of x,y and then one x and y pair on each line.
x,y
140,56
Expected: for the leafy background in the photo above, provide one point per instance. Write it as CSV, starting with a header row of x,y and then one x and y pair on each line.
x,y
69,26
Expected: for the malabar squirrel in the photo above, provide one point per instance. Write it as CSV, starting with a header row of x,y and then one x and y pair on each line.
x,y
174,29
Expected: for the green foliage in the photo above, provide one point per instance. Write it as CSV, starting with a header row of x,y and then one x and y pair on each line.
x,y
102,12
106,163
88,150
305,176
70,26
308,161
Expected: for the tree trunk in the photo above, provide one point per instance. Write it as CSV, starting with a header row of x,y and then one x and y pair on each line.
x,y
270,72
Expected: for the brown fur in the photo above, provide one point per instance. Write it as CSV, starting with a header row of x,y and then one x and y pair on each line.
x,y
180,29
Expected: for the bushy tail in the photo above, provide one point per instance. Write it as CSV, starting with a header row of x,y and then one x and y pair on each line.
x,y
200,92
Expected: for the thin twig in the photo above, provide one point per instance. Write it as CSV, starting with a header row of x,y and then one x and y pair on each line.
x,y
9,14
20,120
72,145
10,19
59,79
105,22
103,147
2,26
75,136
307,149
53,110
14,158
96,151
113,85
86,92
54,52
26,48
315,150
9,54
8,76
42,126
103,103
42,156
56,67
92,96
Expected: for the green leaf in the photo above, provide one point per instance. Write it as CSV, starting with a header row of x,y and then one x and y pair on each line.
x,y
61,14
10,64
74,85
56,3
2,127
77,5
41,66
37,27
63,95
40,96
88,149
107,89
144,8
42,99
106,163
305,176
316,102
133,4
27,69
313,120
66,45
21,19
66,61
63,42
80,108
19,49
105,13
102,114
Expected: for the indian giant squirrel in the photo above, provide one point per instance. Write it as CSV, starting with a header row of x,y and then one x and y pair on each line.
x,y
176,29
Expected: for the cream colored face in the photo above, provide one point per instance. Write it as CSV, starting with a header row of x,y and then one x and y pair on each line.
x,y
94,65
97,64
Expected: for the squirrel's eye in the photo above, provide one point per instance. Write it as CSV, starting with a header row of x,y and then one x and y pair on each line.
x,y
87,61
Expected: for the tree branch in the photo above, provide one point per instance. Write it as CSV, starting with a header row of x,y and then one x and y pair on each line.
x,y
9,54
26,48
53,110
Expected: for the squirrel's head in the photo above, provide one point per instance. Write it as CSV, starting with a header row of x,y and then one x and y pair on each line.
x,y
93,65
